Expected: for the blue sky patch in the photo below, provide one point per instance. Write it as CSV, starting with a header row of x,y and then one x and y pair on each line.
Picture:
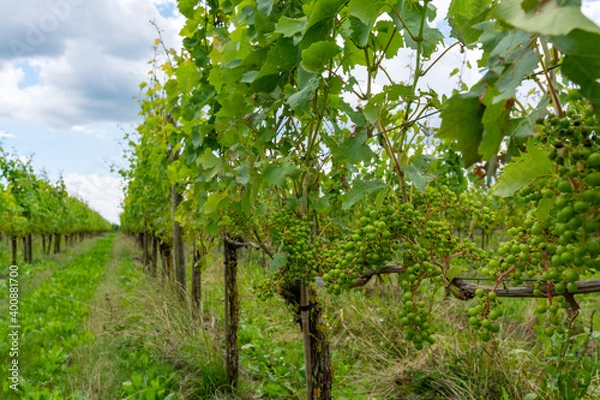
x,y
32,75
167,10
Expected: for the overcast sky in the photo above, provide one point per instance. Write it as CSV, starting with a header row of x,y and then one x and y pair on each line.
x,y
69,73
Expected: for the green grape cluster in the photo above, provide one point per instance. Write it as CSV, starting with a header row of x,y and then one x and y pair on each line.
x,y
291,233
368,246
414,235
558,241
414,317
235,224
483,316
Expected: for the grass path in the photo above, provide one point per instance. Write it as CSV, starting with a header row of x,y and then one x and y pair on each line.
x,y
52,309
122,367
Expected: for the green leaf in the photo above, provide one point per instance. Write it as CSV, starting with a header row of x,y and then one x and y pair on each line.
x,y
289,27
453,272
461,121
581,63
361,190
187,7
282,58
214,202
208,160
188,76
249,77
308,84
322,205
354,149
242,174
279,260
318,55
360,32
322,14
366,11
397,90
522,61
523,170
495,124
523,127
419,179
276,173
265,6
549,19
385,36
581,72
464,14
412,15
543,209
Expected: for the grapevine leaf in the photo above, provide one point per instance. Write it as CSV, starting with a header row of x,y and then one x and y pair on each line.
x,y
279,260
461,121
360,31
463,14
387,38
265,6
281,60
523,127
511,77
214,202
308,83
317,55
581,72
581,63
321,19
354,149
289,27
366,11
208,160
416,171
361,190
412,16
453,272
276,173
495,123
187,7
549,19
242,174
322,205
187,76
523,170
543,208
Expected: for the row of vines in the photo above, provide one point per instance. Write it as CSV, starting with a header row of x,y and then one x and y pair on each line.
x,y
31,206
314,131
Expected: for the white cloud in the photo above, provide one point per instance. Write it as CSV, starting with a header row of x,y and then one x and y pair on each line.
x,y
102,193
5,134
90,56
591,9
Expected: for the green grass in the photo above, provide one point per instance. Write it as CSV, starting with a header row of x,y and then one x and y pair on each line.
x,y
51,312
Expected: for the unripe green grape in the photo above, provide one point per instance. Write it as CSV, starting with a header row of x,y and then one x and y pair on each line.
x,y
494,314
593,179
541,309
560,288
